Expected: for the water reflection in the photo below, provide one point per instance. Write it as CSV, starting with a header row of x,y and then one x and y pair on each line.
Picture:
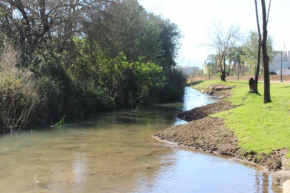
x,y
194,98
114,152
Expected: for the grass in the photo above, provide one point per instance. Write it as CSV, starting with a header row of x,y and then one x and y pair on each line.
x,y
258,127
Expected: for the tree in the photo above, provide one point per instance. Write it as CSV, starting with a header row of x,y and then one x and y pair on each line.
x,y
224,43
231,58
255,85
137,33
91,55
36,24
169,44
250,52
263,44
211,63
239,63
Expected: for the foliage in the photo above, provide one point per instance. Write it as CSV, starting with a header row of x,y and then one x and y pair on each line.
x,y
124,83
224,42
211,63
18,92
250,48
174,82
89,56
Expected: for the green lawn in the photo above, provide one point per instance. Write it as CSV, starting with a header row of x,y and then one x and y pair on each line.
x,y
259,127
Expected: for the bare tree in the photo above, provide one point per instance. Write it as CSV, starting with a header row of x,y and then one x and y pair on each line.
x,y
263,45
255,87
38,21
224,43
267,97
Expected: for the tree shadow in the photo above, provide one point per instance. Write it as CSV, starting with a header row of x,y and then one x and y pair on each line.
x,y
285,87
252,92
194,83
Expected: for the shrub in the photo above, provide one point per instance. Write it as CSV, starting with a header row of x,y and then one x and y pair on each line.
x,y
18,92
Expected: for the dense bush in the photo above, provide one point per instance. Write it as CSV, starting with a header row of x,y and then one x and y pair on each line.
x,y
18,93
94,56
174,85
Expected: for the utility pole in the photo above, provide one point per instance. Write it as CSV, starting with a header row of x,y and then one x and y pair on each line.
x,y
281,77
239,64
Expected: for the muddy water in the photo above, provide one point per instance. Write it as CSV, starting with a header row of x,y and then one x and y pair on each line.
x,y
114,152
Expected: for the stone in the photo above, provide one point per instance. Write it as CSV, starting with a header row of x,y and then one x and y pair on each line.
x,y
211,88
218,88
286,187
280,177
223,97
210,92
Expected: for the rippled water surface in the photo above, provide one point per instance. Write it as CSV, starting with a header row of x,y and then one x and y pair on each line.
x,y
114,152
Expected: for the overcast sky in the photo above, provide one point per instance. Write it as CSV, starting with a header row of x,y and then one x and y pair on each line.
x,y
194,17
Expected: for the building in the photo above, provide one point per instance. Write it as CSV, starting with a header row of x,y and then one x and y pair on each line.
x,y
284,71
186,70
275,65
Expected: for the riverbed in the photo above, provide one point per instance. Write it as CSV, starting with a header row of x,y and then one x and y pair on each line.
x,y
114,152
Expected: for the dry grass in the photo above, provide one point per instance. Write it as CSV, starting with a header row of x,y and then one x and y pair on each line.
x,y
18,91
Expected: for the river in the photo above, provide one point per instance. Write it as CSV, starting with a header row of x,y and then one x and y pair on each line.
x,y
114,152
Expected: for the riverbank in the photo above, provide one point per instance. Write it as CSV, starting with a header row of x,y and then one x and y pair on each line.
x,y
240,126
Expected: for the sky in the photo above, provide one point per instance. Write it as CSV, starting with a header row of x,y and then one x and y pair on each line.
x,y
195,17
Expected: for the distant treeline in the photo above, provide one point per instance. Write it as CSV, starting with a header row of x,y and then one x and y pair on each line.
x,y
79,57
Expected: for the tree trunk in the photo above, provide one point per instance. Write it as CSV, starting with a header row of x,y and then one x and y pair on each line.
x,y
223,76
243,72
267,97
255,89
223,70
230,66
253,85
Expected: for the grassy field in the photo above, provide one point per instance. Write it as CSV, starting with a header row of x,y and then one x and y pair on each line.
x,y
258,127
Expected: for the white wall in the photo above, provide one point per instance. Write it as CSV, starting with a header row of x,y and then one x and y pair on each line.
x,y
276,63
284,72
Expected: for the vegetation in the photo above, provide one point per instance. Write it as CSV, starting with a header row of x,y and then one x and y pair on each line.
x,y
258,127
244,57
266,59
211,64
250,51
18,92
224,44
83,57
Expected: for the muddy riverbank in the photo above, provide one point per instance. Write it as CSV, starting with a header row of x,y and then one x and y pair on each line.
x,y
210,134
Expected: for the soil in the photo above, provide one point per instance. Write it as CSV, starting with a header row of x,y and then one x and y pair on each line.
x,y
210,134
218,90
201,112
207,134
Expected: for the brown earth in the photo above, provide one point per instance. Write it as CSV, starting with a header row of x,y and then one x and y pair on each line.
x,y
218,90
201,112
207,134
210,134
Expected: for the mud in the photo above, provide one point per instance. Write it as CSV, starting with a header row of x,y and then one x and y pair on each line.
x,y
210,134
202,112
